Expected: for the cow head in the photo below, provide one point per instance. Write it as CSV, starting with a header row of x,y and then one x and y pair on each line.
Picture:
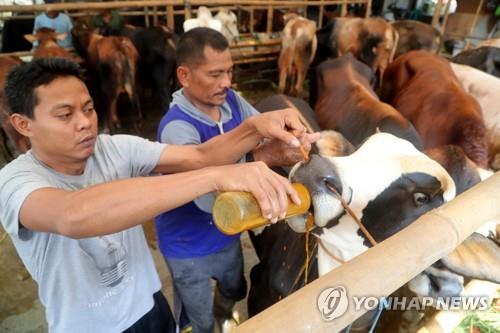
x,y
229,24
45,35
388,184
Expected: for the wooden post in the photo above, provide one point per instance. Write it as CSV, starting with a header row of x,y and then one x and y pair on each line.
x,y
146,16
386,267
368,8
473,25
251,19
437,13
155,16
446,14
269,19
343,10
320,18
187,10
170,17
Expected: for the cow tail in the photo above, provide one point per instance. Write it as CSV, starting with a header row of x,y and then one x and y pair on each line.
x,y
129,60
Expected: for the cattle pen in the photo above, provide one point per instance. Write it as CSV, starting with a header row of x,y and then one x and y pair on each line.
x,y
249,50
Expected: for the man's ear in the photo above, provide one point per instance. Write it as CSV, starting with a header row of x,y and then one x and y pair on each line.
x,y
22,124
184,76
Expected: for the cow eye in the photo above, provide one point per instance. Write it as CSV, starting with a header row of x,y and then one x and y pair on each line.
x,y
420,198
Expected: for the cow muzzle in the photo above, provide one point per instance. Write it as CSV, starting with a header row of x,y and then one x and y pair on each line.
x,y
322,179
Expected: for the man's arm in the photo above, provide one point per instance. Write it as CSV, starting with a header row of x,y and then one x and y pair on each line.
x,y
228,148
111,207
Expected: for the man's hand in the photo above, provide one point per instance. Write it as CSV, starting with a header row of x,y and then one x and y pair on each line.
x,y
278,153
270,189
283,125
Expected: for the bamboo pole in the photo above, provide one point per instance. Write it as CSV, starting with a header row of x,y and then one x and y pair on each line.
x,y
269,28
437,13
445,20
255,43
187,9
474,22
387,266
320,18
343,10
253,60
368,8
155,16
150,3
170,16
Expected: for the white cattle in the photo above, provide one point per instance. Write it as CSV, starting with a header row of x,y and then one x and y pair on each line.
x,y
229,23
485,89
203,19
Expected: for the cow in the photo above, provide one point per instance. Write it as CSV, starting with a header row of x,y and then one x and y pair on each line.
x,y
486,58
348,104
388,184
229,25
156,64
203,19
111,63
423,87
415,35
371,40
47,44
9,135
484,88
298,47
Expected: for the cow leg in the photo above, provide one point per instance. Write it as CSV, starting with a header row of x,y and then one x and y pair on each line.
x,y
113,114
282,83
300,66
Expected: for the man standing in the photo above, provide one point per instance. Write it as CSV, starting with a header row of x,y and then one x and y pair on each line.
x,y
74,203
194,249
59,22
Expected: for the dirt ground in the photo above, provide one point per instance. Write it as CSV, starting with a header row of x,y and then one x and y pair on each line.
x,y
20,308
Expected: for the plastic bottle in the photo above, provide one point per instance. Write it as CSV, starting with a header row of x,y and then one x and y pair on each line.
x,y
235,212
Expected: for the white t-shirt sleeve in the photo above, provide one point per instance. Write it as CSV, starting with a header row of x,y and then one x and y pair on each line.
x,y
16,184
141,154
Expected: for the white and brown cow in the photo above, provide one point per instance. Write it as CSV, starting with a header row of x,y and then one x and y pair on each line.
x,y
388,184
298,47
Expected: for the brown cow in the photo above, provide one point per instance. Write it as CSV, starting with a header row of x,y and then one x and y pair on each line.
x,y
298,47
415,35
47,47
423,87
371,40
348,104
111,63
19,142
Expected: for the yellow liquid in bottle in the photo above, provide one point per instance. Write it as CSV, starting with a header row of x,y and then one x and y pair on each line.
x,y
235,212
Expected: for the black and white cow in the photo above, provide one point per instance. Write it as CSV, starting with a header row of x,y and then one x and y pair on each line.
x,y
388,184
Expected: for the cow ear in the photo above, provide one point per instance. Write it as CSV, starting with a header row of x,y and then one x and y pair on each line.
x,y
478,257
30,38
61,36
332,144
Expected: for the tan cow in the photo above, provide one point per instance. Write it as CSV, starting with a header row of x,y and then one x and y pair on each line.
x,y
298,47
47,47
372,41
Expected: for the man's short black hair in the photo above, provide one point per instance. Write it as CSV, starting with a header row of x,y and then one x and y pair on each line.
x,y
192,45
24,79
